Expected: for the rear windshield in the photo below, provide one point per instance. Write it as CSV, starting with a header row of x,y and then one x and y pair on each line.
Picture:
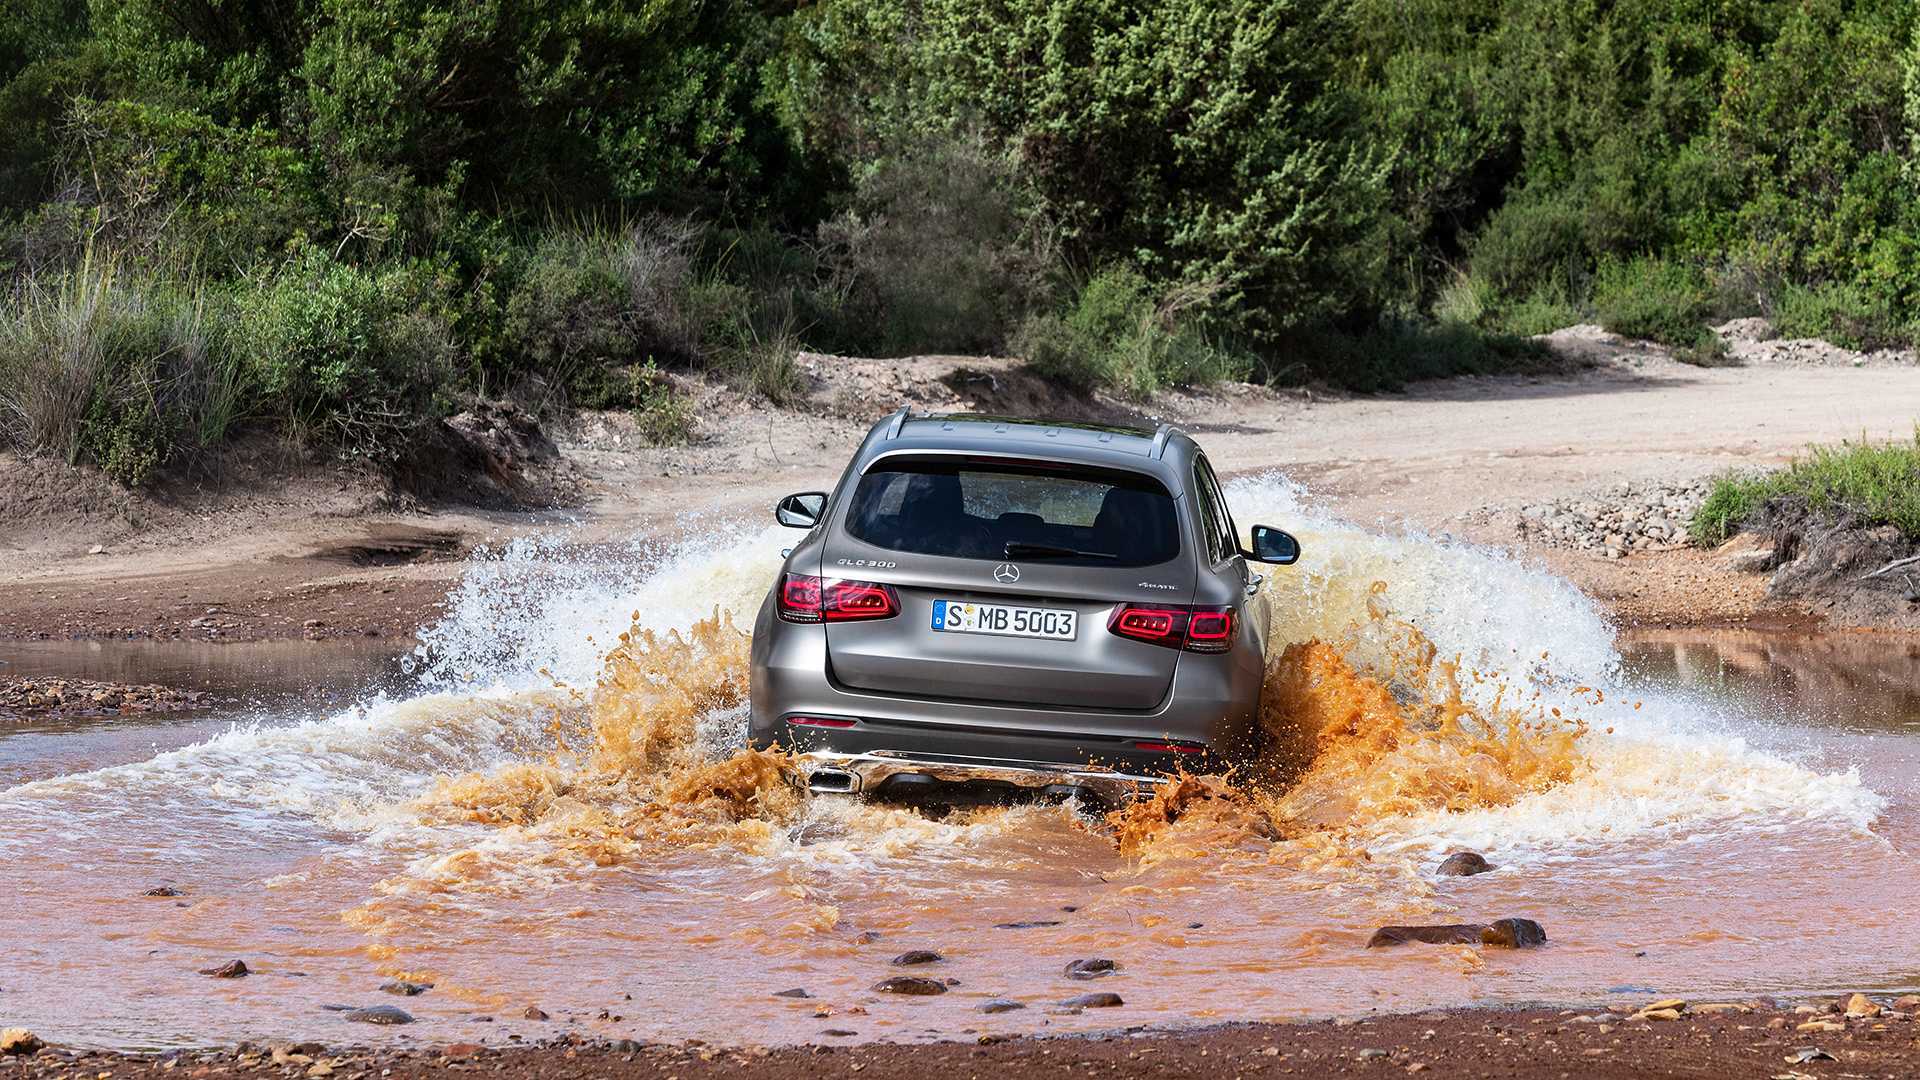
x,y
974,510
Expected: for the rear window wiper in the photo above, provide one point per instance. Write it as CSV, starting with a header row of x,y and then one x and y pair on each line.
x,y
1016,549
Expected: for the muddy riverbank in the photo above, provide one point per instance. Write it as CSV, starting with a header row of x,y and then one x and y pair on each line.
x,y
1708,1040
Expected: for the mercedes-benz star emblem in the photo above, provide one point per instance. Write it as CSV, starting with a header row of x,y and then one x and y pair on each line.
x,y
1006,573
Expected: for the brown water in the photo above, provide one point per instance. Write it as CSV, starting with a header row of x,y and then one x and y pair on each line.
x,y
551,813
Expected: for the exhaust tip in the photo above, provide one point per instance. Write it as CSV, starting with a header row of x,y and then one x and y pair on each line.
x,y
832,781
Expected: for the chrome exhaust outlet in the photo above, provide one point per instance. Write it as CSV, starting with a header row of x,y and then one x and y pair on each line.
x,y
833,781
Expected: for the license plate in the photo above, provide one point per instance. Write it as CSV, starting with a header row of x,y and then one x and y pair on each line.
x,y
962,617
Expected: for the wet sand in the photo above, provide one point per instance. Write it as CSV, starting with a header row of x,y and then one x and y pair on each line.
x,y
1520,1044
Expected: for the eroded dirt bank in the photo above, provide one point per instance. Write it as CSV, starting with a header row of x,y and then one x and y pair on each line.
x,y
319,553
1721,1040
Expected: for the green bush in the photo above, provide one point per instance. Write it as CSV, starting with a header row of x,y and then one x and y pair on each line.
x,y
351,356
1531,243
1869,483
1654,299
1845,315
1118,335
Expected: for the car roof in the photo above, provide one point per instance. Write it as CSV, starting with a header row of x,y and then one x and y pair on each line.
x,y
1164,450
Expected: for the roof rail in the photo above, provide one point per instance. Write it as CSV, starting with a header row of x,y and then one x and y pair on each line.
x,y
899,418
1160,437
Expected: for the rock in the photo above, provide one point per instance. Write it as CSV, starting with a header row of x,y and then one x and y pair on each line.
x,y
162,890
378,1014
1821,1025
97,549
1453,934
917,956
1514,934
910,984
1464,864
405,989
839,1033
1658,1014
796,992
866,937
626,1046
1106,999
1029,925
1370,1054
1909,1001
535,1012
19,1041
1000,1005
1860,1006
1778,1023
1806,1054
1090,968
232,969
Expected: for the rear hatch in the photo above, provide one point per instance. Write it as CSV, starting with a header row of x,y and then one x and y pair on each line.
x,y
1006,575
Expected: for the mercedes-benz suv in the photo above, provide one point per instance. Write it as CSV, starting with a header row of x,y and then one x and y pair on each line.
x,y
1009,603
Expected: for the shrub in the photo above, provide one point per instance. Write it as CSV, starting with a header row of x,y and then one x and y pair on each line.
x,y
113,369
661,412
349,355
1653,299
1394,352
1116,334
1532,242
1845,315
940,253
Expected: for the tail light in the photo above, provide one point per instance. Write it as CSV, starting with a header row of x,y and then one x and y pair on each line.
x,y
1195,629
808,599
822,721
1170,747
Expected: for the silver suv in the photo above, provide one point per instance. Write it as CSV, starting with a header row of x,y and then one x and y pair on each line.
x,y
1010,604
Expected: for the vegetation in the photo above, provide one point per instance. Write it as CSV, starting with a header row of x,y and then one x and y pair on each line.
x,y
334,218
1872,484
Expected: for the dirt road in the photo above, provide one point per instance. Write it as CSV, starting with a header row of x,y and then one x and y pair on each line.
x,y
316,557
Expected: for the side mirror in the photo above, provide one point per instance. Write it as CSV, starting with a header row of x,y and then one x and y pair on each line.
x,y
1271,545
802,510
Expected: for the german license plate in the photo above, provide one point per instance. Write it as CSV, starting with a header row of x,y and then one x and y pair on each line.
x,y
964,617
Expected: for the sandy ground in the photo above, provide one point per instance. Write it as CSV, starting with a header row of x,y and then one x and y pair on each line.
x,y
312,551
1523,1044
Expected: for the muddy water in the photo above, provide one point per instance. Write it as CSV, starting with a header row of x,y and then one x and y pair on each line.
x,y
555,811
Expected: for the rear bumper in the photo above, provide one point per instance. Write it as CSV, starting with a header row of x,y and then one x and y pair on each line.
x,y
895,772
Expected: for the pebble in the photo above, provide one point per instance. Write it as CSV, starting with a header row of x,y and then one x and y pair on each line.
x,y
910,984
796,992
1000,1005
1028,925
917,956
405,989
1860,1006
1106,999
1370,1054
1090,968
162,890
232,969
1821,1025
535,1012
378,1014
1623,518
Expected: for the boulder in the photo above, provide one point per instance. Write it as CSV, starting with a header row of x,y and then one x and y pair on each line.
x,y
1000,1005
1449,934
232,969
917,956
1514,934
1103,1000
19,1041
1090,968
911,985
1464,864
379,1014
